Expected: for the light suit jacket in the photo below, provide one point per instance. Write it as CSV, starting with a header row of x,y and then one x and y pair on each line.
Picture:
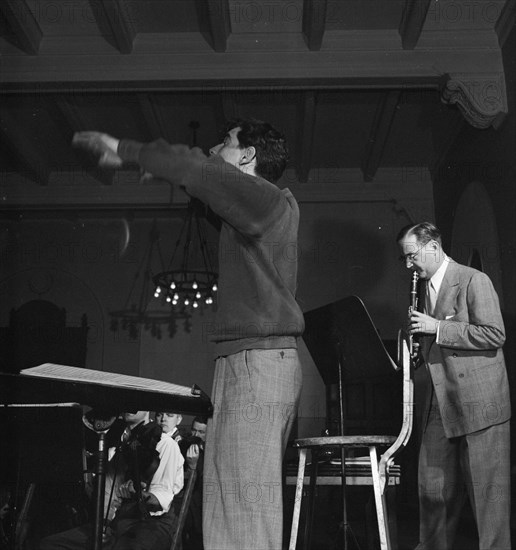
x,y
467,365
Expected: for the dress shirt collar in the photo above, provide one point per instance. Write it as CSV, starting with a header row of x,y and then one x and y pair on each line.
x,y
437,278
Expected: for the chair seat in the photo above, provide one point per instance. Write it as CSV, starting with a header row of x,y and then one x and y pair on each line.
x,y
346,441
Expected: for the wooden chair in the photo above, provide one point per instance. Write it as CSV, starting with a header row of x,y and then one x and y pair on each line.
x,y
185,505
381,470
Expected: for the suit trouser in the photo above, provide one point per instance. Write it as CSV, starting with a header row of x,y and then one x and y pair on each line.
x,y
255,397
475,465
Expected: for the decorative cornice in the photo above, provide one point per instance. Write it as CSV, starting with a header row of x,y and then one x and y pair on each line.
x,y
481,97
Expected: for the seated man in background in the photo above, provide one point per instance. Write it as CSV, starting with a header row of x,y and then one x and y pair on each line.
x,y
148,474
169,422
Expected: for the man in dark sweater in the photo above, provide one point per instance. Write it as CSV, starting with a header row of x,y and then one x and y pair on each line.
x,y
257,379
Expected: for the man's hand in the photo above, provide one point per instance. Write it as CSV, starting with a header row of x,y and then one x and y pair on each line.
x,y
192,456
421,323
100,144
127,490
151,502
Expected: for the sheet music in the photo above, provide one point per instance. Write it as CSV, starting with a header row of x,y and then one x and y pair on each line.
x,y
78,374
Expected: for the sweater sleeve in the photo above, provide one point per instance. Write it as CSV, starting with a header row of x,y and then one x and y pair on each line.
x,y
249,203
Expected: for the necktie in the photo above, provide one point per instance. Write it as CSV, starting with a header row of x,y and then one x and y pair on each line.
x,y
126,436
431,298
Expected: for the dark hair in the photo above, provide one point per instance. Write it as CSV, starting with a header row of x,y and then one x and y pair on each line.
x,y
271,146
201,419
424,232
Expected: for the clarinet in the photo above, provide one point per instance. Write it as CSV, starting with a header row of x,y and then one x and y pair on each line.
x,y
413,343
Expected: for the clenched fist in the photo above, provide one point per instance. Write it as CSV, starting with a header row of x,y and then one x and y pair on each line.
x,y
100,144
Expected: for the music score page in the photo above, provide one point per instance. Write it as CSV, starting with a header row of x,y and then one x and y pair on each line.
x,y
112,379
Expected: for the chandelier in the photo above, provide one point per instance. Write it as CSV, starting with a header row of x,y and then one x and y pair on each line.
x,y
189,282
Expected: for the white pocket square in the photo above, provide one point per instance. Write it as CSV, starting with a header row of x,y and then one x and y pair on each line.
x,y
448,317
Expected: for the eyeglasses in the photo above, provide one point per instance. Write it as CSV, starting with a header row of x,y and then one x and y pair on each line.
x,y
411,256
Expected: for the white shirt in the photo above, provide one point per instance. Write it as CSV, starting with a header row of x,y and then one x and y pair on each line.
x,y
436,281
169,478
166,482
437,278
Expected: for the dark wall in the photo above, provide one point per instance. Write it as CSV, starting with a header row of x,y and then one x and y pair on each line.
x,y
488,156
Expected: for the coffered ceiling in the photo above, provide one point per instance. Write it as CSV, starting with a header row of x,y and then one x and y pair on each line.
x,y
359,87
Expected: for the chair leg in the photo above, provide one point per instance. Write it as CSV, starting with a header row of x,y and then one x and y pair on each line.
x,y
310,508
187,496
381,503
298,498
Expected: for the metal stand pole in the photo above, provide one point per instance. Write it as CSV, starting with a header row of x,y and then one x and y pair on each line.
x,y
100,425
346,528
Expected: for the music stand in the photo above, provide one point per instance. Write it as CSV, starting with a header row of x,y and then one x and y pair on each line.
x,y
96,389
345,347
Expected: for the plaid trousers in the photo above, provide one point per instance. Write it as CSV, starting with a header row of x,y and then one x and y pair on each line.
x,y
474,466
255,398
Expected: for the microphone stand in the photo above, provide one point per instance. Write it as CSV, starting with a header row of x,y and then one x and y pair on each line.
x,y
100,425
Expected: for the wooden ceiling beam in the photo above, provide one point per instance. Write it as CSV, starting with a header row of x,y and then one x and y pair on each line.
x,y
151,116
216,13
412,21
379,134
23,23
117,19
314,23
14,134
71,113
229,105
184,60
306,135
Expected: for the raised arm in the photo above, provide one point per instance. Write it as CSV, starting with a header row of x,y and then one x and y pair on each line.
x,y
249,203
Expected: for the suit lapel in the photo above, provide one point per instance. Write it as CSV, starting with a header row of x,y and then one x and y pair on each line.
x,y
447,292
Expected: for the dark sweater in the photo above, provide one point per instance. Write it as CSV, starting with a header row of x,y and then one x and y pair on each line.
x,y
257,247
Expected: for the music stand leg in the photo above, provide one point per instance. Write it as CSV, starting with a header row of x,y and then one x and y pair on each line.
x,y
100,489
344,501
99,422
346,528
